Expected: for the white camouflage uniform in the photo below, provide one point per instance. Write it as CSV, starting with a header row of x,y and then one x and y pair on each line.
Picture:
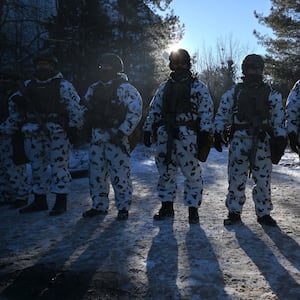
x,y
239,149
108,160
184,150
13,178
52,149
293,110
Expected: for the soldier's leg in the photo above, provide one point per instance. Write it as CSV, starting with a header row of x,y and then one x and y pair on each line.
x,y
186,152
6,192
60,174
37,151
98,180
238,168
118,160
262,189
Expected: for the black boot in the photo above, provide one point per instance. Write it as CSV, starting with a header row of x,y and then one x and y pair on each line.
x,y
233,218
19,203
39,203
193,215
60,205
166,211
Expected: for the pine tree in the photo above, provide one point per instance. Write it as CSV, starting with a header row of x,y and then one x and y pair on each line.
x,y
283,51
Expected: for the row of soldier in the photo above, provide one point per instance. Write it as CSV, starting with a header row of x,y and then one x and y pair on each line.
x,y
42,114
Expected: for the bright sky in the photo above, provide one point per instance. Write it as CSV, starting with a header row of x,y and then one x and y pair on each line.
x,y
207,21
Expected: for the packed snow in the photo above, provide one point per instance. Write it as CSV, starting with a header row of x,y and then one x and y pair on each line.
x,y
70,257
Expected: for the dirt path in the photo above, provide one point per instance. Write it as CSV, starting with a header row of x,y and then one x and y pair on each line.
x,y
68,257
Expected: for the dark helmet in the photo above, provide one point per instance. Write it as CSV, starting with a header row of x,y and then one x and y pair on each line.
x,y
179,56
8,72
112,60
47,56
252,60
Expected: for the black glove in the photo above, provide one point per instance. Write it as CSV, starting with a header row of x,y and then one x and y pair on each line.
x,y
277,147
218,141
147,138
294,142
20,102
117,137
72,135
202,137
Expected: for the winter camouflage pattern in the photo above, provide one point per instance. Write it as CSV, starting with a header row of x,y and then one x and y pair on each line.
x,y
184,151
47,143
111,160
239,152
13,178
293,109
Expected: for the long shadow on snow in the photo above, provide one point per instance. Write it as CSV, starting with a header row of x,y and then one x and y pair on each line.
x,y
279,279
162,264
206,279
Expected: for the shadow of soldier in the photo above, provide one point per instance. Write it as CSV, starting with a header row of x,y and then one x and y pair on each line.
x,y
287,246
162,264
49,277
206,278
279,279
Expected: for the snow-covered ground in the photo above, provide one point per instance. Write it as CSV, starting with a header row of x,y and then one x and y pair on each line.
x,y
69,257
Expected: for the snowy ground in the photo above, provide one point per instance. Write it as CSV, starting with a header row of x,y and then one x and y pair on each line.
x,y
68,257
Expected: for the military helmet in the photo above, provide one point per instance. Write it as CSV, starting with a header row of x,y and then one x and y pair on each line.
x,y
252,60
179,56
113,60
46,56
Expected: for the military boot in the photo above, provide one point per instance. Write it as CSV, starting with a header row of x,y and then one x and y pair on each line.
x,y
166,211
39,204
60,205
193,215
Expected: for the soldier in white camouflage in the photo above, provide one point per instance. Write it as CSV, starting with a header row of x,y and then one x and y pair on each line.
x,y
179,122
255,112
49,108
293,117
114,109
14,187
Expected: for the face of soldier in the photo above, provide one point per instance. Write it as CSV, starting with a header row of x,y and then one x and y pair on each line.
x,y
254,73
106,73
44,70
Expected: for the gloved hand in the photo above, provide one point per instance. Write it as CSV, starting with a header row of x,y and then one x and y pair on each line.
x,y
277,147
72,135
147,138
294,144
117,137
218,141
202,137
20,102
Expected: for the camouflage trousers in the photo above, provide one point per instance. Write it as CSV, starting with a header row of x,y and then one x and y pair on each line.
x,y
183,156
238,171
13,178
109,163
49,159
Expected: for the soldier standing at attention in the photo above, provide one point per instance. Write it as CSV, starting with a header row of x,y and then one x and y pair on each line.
x,y
49,107
181,114
14,187
255,112
293,117
114,109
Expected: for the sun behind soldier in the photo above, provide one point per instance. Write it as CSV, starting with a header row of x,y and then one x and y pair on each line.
x,y
181,114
